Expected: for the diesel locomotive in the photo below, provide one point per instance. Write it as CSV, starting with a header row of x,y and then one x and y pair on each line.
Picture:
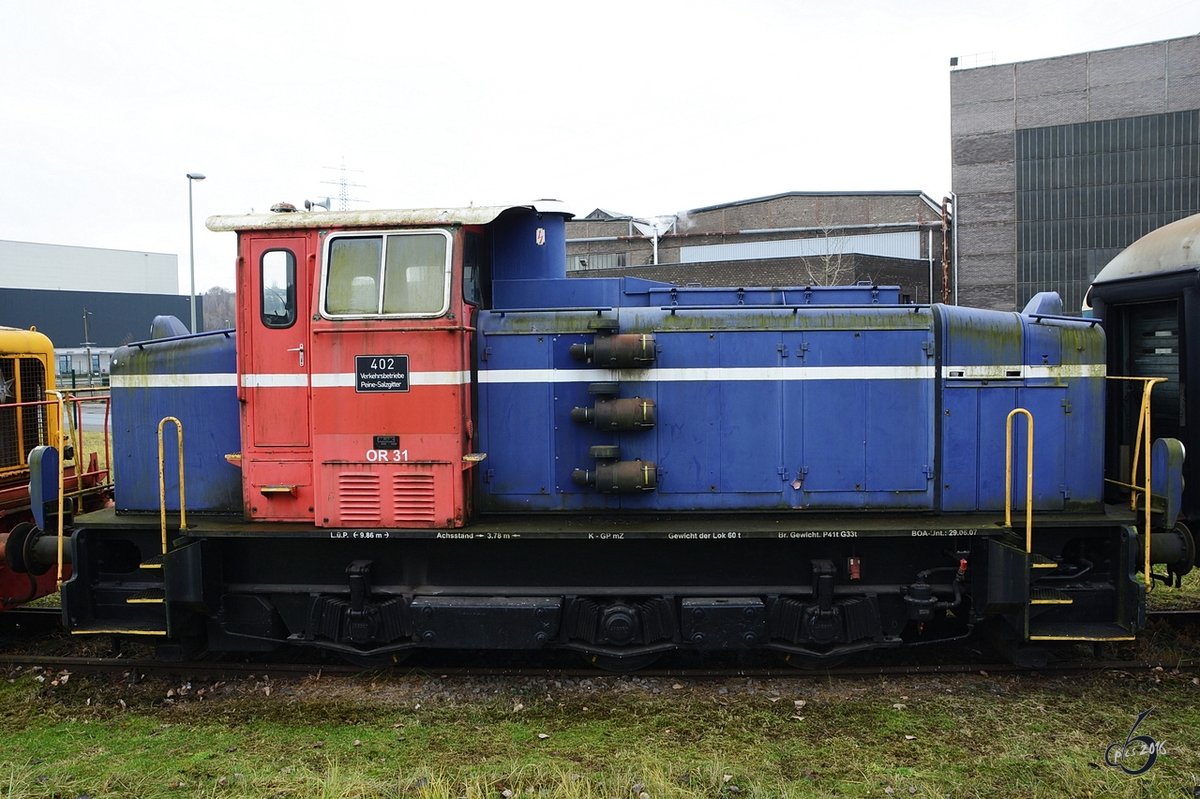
x,y
421,434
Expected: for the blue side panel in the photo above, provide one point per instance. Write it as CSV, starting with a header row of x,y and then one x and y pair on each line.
x,y
992,363
515,433
752,453
557,292
689,443
689,447
822,408
960,457
834,431
899,436
192,378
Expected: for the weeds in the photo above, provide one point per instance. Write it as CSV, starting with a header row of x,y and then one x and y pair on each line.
x,y
611,738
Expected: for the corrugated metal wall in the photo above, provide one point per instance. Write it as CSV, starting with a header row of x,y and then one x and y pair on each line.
x,y
114,319
903,244
27,265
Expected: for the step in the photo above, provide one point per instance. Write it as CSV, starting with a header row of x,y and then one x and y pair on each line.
x,y
116,628
155,562
1036,561
1078,631
148,596
1048,596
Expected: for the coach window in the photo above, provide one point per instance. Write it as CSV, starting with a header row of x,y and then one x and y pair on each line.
x,y
394,274
277,279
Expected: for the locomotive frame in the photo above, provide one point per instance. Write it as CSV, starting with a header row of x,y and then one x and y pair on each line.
x,y
422,434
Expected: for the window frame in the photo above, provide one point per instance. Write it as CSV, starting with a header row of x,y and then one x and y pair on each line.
x,y
384,234
290,299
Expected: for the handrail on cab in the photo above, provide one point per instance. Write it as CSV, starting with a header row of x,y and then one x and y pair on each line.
x,y
162,479
1141,451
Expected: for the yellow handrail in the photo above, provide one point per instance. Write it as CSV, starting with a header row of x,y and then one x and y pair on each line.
x,y
1008,429
1141,451
95,396
59,445
162,479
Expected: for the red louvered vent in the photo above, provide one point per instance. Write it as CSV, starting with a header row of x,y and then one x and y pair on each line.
x,y
358,498
414,498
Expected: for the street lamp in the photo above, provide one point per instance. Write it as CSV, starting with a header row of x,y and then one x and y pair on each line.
x,y
87,342
192,177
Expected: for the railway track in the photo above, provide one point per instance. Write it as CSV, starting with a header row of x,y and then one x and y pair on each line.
x,y
41,624
143,668
26,622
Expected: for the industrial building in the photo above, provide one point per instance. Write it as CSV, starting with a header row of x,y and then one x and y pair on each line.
x,y
790,239
89,301
1060,163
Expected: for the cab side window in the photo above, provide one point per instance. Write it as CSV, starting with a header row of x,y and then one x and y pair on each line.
x,y
277,286
477,277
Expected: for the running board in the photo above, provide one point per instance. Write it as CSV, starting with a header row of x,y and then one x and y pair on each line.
x,y
118,631
1071,631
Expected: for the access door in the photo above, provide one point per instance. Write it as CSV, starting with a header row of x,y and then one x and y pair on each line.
x,y
275,384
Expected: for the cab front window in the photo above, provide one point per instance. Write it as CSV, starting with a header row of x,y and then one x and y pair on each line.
x,y
387,274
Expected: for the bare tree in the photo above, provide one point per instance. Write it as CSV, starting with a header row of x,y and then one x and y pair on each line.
x,y
832,266
220,306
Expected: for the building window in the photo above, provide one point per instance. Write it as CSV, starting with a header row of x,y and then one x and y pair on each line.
x,y
64,364
597,260
1086,191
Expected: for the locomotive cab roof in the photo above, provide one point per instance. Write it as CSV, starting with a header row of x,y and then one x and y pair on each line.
x,y
413,217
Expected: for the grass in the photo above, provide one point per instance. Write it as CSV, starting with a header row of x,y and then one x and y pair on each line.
x,y
426,737
1186,597
615,738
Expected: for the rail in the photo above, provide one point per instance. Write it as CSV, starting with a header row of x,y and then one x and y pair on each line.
x,y
1008,473
1141,452
162,479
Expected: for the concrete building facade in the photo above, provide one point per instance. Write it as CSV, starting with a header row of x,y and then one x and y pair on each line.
x,y
1060,163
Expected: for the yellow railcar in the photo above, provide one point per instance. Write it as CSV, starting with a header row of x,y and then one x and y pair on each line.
x,y
26,374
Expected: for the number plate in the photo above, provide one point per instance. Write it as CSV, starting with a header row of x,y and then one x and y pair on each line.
x,y
380,373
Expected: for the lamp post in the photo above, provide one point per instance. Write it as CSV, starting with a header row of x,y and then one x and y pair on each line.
x,y
87,342
192,177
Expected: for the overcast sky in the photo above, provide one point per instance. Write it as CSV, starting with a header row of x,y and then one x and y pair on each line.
x,y
642,107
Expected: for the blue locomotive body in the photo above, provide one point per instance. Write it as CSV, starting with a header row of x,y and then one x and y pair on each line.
x,y
634,467
189,378
788,406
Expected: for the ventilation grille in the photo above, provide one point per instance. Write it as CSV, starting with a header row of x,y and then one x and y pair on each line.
x,y
414,498
358,498
21,428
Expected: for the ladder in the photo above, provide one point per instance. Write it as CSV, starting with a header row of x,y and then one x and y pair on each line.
x,y
138,606
1042,601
